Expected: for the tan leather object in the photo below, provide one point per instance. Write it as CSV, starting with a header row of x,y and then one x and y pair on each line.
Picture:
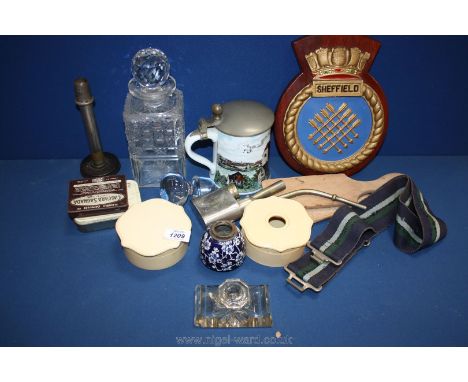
x,y
320,208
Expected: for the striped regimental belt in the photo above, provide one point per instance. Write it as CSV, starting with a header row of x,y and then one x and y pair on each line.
x,y
398,201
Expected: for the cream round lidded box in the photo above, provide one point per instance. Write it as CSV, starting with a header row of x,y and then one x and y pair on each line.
x,y
154,234
276,230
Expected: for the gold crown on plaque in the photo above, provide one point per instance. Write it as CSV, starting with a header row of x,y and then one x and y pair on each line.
x,y
337,60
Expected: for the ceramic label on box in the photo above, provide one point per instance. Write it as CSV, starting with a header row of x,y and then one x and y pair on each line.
x,y
97,196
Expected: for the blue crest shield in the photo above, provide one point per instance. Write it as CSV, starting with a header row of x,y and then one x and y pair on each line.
x,y
334,128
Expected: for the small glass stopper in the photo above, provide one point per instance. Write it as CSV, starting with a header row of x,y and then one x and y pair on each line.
x,y
150,67
175,189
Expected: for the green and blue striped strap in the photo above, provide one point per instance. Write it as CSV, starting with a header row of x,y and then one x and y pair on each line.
x,y
397,202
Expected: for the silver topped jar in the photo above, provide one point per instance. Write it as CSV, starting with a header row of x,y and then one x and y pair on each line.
x,y
240,131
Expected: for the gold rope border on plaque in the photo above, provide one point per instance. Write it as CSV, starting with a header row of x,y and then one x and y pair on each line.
x,y
303,157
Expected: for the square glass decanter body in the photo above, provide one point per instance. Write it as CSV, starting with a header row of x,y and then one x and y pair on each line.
x,y
155,133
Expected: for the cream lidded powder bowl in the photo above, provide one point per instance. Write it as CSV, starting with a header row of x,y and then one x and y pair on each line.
x,y
276,230
144,232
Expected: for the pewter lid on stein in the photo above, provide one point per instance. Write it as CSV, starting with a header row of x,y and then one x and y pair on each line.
x,y
245,118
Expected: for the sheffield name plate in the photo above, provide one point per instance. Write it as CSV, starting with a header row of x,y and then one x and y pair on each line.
x,y
332,118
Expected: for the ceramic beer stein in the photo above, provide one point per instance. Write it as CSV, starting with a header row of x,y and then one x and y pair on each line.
x,y
240,131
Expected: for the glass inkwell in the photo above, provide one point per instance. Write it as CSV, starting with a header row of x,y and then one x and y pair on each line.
x,y
233,304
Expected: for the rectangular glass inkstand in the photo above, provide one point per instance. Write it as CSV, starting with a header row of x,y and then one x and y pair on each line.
x,y
233,304
154,119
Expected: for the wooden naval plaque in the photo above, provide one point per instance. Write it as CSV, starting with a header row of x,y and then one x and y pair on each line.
x,y
333,116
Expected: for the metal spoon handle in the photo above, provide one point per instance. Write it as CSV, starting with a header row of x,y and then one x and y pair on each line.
x,y
322,194
269,191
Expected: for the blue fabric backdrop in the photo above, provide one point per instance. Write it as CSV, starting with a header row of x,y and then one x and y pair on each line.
x,y
423,78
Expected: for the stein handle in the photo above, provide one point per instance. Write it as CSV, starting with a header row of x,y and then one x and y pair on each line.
x,y
194,136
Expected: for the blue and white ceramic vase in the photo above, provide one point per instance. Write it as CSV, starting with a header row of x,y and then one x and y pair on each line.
x,y
222,247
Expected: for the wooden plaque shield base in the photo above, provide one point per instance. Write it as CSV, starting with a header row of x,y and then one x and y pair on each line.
x,y
333,116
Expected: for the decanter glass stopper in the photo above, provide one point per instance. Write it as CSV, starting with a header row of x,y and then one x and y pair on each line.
x,y
150,67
